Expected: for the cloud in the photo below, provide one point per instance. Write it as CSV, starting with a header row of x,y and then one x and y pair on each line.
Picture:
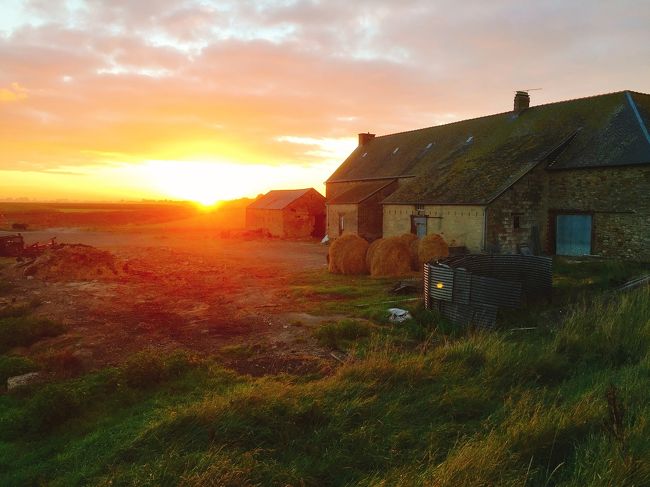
x,y
278,82
13,93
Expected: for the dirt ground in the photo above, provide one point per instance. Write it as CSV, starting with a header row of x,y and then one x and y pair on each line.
x,y
183,290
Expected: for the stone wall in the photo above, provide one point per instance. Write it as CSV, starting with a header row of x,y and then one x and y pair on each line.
x,y
619,200
351,215
300,217
269,220
458,224
519,216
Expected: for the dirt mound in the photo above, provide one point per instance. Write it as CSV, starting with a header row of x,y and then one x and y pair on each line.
x,y
73,263
432,247
347,255
391,257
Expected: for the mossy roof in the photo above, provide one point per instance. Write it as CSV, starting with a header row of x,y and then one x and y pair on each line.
x,y
473,161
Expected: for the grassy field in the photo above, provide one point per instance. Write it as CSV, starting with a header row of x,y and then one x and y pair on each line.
x,y
420,403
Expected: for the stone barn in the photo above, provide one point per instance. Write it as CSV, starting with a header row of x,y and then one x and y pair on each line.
x,y
288,213
566,178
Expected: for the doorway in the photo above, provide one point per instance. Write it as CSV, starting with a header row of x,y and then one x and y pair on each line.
x,y
573,234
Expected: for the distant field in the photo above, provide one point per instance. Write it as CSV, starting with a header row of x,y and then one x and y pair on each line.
x,y
102,215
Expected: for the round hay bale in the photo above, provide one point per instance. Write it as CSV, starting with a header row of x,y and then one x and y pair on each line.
x,y
348,255
371,251
391,257
408,238
432,247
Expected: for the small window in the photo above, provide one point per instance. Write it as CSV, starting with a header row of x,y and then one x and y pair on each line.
x,y
419,207
341,224
516,222
396,150
429,145
364,154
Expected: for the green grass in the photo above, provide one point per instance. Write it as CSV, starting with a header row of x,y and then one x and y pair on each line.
x,y
338,335
580,278
418,403
15,365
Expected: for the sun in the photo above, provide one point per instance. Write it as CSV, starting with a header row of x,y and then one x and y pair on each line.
x,y
202,182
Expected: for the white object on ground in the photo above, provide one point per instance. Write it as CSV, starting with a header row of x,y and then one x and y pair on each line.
x,y
398,315
22,380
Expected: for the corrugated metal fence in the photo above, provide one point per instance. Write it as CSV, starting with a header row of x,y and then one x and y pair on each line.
x,y
469,289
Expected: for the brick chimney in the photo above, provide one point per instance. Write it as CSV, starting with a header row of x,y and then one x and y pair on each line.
x,y
365,138
522,101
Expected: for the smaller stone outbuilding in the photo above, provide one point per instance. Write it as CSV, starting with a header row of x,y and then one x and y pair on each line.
x,y
288,213
357,209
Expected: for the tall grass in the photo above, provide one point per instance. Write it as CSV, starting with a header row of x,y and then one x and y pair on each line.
x,y
563,406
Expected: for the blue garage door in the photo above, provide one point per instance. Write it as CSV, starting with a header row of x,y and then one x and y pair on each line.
x,y
573,235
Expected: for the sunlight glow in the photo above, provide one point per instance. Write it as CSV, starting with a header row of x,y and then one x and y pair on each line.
x,y
210,182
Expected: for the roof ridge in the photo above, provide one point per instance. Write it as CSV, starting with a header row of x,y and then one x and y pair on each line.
x,y
640,121
296,189
621,92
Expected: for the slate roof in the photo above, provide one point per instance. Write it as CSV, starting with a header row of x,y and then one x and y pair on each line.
x,y
473,161
278,199
359,192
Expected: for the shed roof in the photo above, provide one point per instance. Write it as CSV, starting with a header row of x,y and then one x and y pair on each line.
x,y
473,161
279,199
359,192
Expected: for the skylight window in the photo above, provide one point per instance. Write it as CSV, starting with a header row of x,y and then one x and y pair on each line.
x,y
364,154
396,150
429,145
469,139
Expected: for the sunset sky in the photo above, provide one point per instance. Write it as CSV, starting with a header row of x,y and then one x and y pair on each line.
x,y
219,99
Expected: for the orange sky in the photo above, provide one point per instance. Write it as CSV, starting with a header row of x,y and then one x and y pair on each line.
x,y
205,100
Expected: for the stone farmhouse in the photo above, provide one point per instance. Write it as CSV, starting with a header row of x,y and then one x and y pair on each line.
x,y
288,213
566,178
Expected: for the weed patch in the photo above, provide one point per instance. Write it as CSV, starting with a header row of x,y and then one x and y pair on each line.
x,y
23,331
338,335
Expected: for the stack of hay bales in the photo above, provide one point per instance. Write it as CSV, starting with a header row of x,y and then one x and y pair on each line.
x,y
347,255
431,247
386,257
390,257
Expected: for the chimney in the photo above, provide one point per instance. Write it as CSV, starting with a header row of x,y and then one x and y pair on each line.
x,y
522,101
365,138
